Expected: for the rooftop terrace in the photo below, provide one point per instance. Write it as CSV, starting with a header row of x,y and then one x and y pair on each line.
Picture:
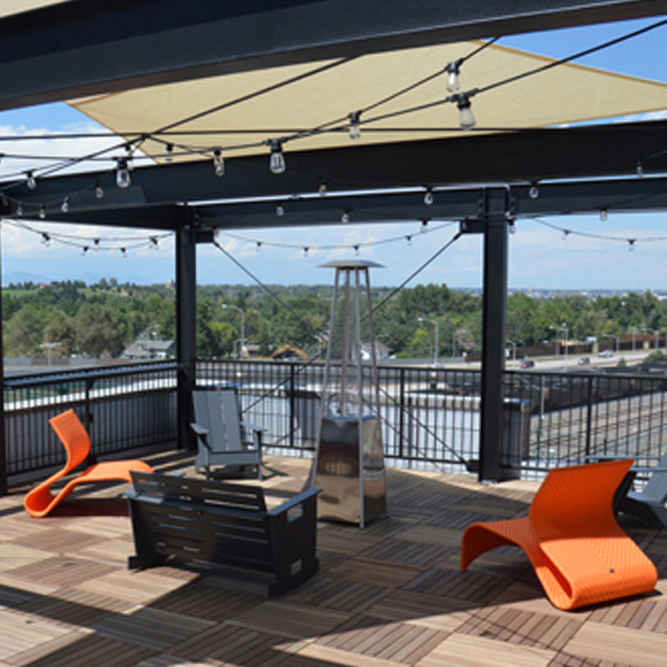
x,y
387,596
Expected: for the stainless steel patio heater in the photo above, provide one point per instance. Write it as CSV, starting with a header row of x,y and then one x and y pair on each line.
x,y
349,460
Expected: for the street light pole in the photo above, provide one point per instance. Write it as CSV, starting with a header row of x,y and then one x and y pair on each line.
x,y
513,344
437,337
226,305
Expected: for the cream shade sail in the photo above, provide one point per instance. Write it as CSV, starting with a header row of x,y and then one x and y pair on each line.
x,y
237,112
9,7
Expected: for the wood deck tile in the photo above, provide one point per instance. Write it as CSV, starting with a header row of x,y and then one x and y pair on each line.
x,y
20,632
290,620
93,650
333,538
443,537
623,645
61,571
58,540
45,649
13,556
332,656
466,651
137,586
410,553
389,575
430,611
153,628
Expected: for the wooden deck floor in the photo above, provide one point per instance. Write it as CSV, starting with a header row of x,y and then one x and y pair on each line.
x,y
389,596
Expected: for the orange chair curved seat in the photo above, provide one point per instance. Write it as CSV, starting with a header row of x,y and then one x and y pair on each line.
x,y
580,553
40,501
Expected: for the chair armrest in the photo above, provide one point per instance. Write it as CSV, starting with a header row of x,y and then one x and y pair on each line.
x,y
252,427
293,502
647,469
199,430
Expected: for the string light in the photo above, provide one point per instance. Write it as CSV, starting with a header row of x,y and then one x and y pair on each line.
x,y
631,244
566,233
258,246
603,215
123,179
355,128
409,239
356,249
129,148
305,250
65,205
19,209
42,212
639,169
466,116
123,252
218,162
424,227
31,181
46,238
169,157
453,70
511,227
345,218
322,190
84,251
277,159
534,191
428,197
280,211
99,192
154,242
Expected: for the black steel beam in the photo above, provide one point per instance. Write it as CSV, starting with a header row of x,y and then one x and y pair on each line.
x,y
512,158
82,48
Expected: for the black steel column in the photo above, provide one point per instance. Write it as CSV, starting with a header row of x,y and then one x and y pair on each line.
x,y
3,445
186,331
493,346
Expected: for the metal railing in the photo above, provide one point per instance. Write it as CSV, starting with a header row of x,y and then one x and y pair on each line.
x,y
431,416
123,408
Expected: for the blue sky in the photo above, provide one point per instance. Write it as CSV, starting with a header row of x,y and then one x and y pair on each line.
x,y
539,256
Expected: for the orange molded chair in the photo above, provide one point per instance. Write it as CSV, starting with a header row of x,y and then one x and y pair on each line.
x,y
40,501
579,552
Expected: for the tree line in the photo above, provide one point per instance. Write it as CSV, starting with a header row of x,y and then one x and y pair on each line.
x,y
103,318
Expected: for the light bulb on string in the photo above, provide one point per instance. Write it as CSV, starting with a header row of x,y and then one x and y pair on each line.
x,y
428,197
466,116
96,243
123,179
280,211
511,227
31,181
345,218
322,190
409,239
453,70
123,252
169,155
356,249
534,191
42,212
19,209
277,159
258,246
84,251
46,239
631,244
566,233
154,242
305,251
639,168
603,215
355,128
218,162
65,205
99,191
424,227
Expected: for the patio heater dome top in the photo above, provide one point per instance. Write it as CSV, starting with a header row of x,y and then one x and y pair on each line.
x,y
351,264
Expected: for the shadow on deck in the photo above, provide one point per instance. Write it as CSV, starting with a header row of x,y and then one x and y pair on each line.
x,y
387,596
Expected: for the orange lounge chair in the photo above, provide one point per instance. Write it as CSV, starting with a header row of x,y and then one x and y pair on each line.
x,y
40,501
579,552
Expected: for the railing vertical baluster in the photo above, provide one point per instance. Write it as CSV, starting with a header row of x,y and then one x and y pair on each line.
x,y
589,416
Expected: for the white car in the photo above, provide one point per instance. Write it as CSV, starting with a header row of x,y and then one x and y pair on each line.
x,y
606,353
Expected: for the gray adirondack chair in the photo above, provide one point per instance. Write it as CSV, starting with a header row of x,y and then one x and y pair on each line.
x,y
649,503
219,432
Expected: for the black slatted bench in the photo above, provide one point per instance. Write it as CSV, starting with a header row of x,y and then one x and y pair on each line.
x,y
228,524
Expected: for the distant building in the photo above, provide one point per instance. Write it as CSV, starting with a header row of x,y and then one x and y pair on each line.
x,y
381,351
145,349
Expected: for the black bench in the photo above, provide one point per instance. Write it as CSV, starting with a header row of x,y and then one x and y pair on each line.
x,y
227,524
